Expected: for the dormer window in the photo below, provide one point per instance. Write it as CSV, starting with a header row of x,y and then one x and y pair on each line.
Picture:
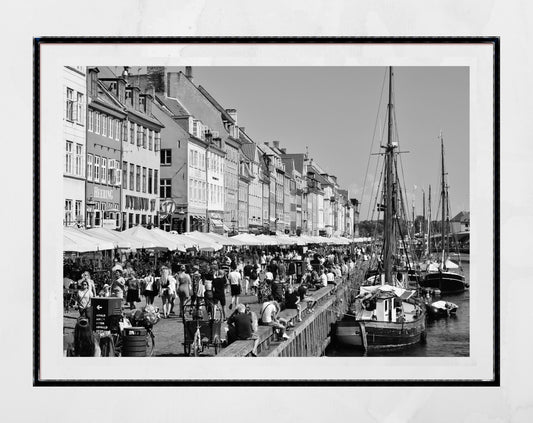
x,y
142,103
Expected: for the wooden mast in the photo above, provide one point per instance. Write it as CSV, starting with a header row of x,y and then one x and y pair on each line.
x,y
388,232
444,239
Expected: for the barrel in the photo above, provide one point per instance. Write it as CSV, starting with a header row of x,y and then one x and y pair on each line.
x,y
134,342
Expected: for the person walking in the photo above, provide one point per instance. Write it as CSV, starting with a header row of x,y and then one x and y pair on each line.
x,y
219,288
235,279
167,291
184,286
119,283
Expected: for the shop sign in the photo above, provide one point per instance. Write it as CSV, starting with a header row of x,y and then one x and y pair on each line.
x,y
105,194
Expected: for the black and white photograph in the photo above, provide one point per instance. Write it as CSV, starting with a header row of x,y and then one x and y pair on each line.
x,y
246,218
196,229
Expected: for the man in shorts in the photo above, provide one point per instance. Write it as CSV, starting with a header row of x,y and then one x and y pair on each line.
x,y
235,279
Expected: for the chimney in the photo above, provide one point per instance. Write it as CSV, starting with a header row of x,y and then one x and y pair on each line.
x,y
233,114
121,90
266,143
173,79
276,144
188,72
283,150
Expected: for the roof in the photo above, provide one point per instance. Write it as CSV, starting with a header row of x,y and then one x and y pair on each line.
x,y
289,164
298,160
463,216
215,103
173,105
249,149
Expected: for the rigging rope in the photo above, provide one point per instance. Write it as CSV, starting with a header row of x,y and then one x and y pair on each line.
x,y
373,138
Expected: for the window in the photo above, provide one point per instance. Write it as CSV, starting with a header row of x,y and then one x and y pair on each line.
x,y
145,136
97,168
103,174
125,174
68,212
150,179
89,167
166,156
117,130
111,172
191,189
144,180
104,125
118,174
165,190
97,122
78,164
138,179
69,107
151,140
79,112
77,210
156,180
91,121
157,145
132,177
68,157
139,134
132,133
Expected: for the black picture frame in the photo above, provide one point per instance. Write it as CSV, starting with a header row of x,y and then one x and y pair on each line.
x,y
494,41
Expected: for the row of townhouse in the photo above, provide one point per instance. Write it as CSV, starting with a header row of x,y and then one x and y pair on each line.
x,y
149,147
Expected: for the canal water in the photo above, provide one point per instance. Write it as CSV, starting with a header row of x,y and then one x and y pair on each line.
x,y
446,337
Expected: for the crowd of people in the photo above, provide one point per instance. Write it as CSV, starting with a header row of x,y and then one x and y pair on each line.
x,y
277,279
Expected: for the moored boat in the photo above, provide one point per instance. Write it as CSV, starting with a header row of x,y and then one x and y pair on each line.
x,y
442,275
386,314
441,309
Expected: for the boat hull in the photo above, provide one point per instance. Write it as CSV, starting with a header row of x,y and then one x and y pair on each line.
x,y
380,335
447,282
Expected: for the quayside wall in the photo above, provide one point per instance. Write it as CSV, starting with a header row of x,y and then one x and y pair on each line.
x,y
310,337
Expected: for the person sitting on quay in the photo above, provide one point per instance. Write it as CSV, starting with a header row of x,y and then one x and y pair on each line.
x,y
277,290
240,327
269,317
323,279
292,300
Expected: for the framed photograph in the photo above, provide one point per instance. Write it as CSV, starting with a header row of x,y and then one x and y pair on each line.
x,y
346,190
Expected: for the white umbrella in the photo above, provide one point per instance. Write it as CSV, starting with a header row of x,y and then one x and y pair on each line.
x,y
203,242
150,239
85,240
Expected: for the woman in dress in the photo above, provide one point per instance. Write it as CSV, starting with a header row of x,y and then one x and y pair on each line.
x,y
167,291
149,287
84,300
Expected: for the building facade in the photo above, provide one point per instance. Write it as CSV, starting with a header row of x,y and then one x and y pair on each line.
x,y
74,142
105,128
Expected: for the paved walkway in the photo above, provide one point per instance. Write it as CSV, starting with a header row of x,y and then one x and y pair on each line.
x,y
169,332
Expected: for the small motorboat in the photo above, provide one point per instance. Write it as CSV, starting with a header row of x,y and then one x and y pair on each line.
x,y
441,309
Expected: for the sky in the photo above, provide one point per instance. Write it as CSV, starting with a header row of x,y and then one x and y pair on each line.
x,y
333,112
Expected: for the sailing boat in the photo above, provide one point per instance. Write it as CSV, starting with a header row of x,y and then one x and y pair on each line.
x,y
442,276
386,315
